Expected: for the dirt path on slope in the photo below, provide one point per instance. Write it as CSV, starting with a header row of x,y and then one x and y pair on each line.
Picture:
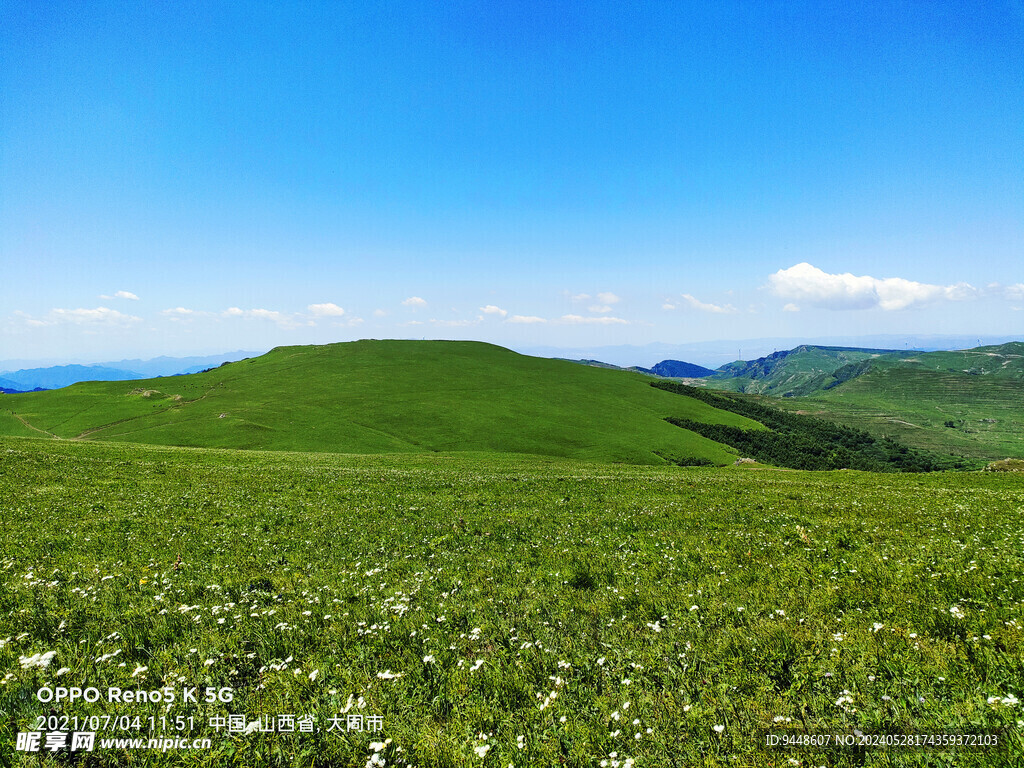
x,y
37,429
182,404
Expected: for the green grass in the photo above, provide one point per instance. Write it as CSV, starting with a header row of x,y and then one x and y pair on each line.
x,y
968,415
385,396
968,403
753,599
799,371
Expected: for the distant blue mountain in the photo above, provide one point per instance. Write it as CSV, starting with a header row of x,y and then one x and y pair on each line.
x,y
57,376
678,369
175,366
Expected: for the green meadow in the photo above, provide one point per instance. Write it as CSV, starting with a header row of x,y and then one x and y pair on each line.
x,y
382,397
953,412
967,403
499,609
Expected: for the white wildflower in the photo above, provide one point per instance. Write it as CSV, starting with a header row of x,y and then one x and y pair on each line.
x,y
41,660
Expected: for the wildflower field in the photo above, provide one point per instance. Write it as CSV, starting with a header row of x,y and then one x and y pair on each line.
x,y
496,610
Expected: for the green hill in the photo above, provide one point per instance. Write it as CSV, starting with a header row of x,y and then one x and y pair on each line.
x,y
967,402
797,371
383,397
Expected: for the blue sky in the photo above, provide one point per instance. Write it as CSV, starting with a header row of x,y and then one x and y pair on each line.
x,y
182,178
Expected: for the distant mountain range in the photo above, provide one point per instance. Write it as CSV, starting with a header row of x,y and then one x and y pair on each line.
x,y
57,376
666,368
809,370
677,369
969,401
445,396
801,370
713,354
383,396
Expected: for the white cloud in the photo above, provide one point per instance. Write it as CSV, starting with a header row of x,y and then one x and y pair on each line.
x,y
490,309
526,319
98,316
1015,291
326,310
280,318
603,299
181,314
415,302
667,305
121,295
266,314
791,308
578,320
380,313
807,284
726,309
457,323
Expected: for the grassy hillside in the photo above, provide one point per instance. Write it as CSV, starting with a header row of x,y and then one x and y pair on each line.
x,y
545,612
968,402
1002,361
381,397
804,442
797,371
940,411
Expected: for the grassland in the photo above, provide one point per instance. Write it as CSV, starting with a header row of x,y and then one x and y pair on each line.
x,y
385,396
942,411
798,371
967,403
502,610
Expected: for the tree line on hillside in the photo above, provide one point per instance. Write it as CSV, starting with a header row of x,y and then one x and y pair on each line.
x,y
804,442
